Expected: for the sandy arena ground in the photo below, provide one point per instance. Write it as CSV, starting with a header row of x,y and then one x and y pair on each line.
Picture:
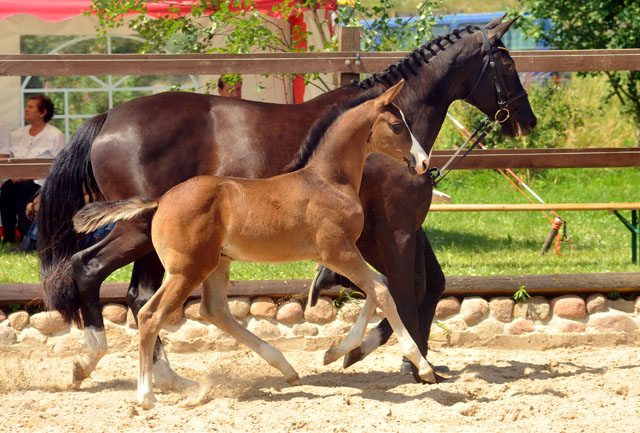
x,y
581,389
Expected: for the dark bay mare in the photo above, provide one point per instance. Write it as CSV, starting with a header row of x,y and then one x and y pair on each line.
x,y
144,147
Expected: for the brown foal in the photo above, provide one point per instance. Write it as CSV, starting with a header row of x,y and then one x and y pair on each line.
x,y
314,213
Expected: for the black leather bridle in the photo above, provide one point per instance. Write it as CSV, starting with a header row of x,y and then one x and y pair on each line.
x,y
486,125
504,100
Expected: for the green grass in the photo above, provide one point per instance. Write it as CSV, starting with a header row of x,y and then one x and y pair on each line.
x,y
501,243
481,243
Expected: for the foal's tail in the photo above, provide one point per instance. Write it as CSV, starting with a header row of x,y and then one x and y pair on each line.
x,y
97,214
61,196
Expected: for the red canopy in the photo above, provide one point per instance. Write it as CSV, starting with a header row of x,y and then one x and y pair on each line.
x,y
59,10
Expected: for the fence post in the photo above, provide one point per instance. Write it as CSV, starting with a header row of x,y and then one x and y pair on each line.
x,y
348,40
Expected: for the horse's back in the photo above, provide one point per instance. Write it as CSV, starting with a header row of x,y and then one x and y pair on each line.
x,y
150,144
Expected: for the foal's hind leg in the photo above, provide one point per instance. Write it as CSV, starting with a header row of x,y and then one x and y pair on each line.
x,y
146,278
214,307
350,263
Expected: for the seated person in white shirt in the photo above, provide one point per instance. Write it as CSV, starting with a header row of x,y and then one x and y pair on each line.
x,y
38,139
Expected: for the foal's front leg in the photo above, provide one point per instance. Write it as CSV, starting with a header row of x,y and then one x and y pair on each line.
x,y
350,263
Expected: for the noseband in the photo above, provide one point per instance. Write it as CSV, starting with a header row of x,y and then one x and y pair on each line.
x,y
504,100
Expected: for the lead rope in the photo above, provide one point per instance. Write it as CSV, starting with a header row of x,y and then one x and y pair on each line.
x,y
477,136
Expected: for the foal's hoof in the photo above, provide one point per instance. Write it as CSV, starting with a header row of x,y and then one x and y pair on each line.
x,y
294,380
77,375
330,356
147,401
427,375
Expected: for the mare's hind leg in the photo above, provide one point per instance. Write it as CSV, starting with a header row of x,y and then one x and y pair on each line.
x,y
146,278
214,308
350,263
90,267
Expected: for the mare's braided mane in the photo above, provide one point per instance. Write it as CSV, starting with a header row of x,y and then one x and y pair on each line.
x,y
409,65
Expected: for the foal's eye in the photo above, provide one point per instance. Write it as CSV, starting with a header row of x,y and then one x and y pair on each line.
x,y
396,127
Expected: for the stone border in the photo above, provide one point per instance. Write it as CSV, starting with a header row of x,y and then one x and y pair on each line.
x,y
567,320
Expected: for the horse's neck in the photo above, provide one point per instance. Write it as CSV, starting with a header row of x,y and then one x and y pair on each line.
x,y
340,155
427,96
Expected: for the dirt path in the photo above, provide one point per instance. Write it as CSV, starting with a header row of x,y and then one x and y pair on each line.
x,y
594,390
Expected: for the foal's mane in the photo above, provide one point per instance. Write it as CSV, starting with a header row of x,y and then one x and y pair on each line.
x,y
320,127
409,65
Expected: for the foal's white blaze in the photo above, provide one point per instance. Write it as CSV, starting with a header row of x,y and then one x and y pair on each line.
x,y
419,155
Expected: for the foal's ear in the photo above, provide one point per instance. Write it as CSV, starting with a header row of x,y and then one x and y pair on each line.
x,y
496,28
389,95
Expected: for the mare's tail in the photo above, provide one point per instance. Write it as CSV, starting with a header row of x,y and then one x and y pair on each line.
x,y
97,214
61,197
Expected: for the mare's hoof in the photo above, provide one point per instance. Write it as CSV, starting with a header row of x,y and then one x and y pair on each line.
x,y
352,357
294,380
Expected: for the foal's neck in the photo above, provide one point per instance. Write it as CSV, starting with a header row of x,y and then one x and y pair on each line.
x,y
340,155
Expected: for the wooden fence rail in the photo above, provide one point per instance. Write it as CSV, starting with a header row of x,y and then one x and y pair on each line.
x,y
479,159
499,285
289,63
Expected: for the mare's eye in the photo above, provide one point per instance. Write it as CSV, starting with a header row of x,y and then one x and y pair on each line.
x,y
509,67
396,127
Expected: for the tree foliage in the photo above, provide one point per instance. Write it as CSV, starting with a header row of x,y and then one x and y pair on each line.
x,y
237,26
591,24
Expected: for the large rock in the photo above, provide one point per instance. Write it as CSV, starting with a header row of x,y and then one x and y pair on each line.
x,y
350,311
290,312
48,322
115,313
520,326
535,308
596,303
264,329
323,312
569,307
568,326
7,337
447,307
502,308
19,320
305,329
263,307
239,306
474,310
637,304
616,322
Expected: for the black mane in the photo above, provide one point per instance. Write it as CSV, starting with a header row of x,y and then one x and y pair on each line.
x,y
408,66
320,127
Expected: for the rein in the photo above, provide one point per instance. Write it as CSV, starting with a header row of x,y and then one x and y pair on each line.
x,y
487,124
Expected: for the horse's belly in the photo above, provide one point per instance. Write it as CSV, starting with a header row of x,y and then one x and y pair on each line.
x,y
281,250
